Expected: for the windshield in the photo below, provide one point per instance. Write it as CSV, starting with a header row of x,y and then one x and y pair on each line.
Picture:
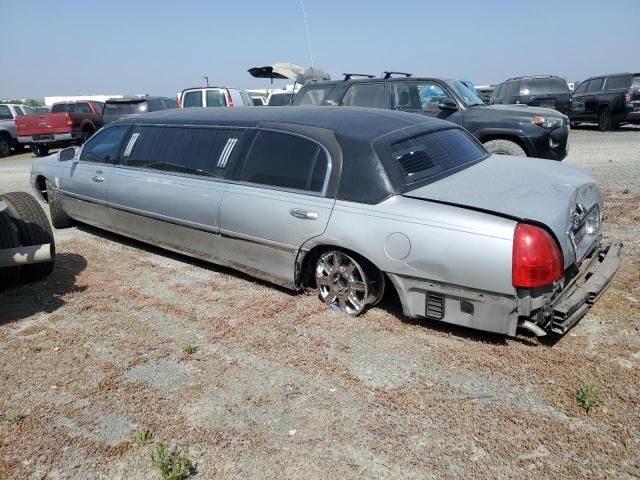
x,y
468,97
28,110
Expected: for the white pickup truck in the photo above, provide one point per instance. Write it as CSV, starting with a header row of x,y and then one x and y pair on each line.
x,y
8,114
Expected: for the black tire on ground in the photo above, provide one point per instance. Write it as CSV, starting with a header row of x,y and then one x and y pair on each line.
x,y
34,229
605,122
86,136
505,147
39,150
59,219
9,238
5,146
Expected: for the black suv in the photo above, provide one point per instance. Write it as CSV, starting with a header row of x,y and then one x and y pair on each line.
x,y
504,129
536,91
607,99
116,108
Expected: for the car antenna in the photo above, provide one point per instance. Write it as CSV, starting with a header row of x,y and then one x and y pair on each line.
x,y
306,25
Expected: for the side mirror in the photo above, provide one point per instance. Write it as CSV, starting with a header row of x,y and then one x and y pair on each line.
x,y
66,154
447,104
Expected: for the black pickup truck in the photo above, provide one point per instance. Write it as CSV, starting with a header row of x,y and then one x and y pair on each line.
x,y
504,129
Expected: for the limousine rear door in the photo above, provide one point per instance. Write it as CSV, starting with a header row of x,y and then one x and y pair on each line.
x,y
83,186
275,204
167,190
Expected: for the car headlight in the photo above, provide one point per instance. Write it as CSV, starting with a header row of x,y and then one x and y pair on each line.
x,y
547,122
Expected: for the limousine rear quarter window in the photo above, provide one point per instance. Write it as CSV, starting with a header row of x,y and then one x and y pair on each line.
x,y
427,156
182,149
283,160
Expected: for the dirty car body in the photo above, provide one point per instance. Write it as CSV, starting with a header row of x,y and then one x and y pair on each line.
x,y
352,201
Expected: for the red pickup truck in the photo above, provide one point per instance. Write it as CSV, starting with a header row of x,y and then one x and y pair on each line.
x,y
69,123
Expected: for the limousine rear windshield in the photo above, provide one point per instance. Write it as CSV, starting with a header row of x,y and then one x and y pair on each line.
x,y
429,157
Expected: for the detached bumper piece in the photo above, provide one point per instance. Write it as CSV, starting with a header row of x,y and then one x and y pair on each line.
x,y
14,257
584,290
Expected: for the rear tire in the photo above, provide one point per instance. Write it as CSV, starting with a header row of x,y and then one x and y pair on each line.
x,y
34,229
59,219
39,150
5,146
9,238
348,283
505,147
86,136
605,122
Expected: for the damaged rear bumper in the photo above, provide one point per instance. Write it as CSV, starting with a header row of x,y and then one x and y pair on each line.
x,y
539,311
574,301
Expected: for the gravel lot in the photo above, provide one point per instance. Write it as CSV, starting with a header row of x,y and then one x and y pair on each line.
x,y
276,385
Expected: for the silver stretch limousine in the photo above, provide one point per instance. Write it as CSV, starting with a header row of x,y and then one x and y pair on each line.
x,y
351,201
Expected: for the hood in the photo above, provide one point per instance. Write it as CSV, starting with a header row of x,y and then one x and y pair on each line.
x,y
525,189
519,109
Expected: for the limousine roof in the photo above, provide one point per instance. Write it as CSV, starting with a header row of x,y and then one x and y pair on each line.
x,y
361,134
352,121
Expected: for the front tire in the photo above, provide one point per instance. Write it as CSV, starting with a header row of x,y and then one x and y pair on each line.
x,y
505,147
59,219
348,283
34,229
39,150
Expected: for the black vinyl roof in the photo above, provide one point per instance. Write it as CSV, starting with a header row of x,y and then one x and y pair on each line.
x,y
363,123
358,169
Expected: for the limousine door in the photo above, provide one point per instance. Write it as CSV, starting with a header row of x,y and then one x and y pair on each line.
x,y
167,191
83,186
276,205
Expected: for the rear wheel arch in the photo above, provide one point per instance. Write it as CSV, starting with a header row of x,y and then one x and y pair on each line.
x,y
306,264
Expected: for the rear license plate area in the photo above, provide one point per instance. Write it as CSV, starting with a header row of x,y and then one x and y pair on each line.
x,y
42,137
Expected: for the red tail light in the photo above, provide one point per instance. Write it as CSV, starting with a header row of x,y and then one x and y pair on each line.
x,y
629,96
537,259
228,97
69,121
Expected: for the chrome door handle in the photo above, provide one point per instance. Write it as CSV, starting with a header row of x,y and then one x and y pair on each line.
x,y
97,178
303,214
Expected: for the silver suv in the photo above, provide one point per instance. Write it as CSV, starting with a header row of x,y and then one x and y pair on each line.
x,y
214,97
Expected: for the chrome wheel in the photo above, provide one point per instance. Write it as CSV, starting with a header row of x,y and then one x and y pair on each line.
x,y
344,284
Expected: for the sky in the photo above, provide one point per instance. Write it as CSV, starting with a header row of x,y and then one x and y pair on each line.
x,y
159,47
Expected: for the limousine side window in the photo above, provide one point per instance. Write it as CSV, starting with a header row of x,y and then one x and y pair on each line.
x,y
195,151
104,146
284,160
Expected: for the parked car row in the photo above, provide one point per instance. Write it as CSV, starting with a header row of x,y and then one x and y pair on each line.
x,y
608,100
503,129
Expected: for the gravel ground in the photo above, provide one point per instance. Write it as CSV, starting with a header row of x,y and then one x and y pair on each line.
x,y
276,385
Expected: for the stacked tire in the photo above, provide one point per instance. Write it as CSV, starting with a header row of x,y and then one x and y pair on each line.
x,y
24,223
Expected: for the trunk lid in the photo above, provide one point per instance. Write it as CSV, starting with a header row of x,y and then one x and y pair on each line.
x,y
557,196
45,124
